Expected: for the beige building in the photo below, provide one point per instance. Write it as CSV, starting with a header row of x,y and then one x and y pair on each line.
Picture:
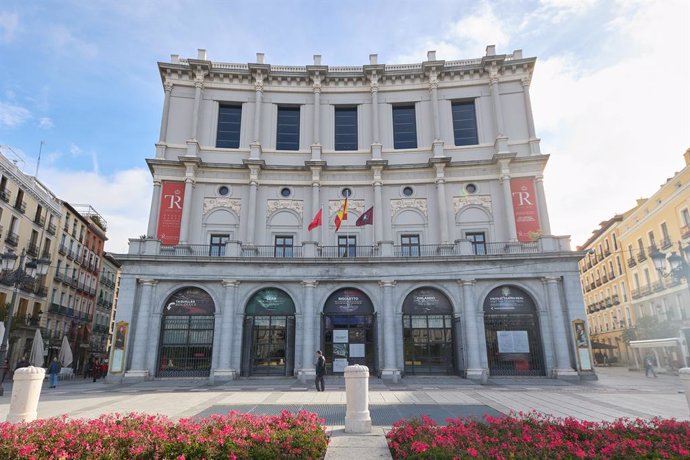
x,y
105,306
623,247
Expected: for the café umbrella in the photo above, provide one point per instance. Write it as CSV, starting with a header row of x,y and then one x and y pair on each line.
x,y
37,350
65,354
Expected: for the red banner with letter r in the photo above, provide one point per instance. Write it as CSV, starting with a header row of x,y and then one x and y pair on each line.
x,y
525,209
170,212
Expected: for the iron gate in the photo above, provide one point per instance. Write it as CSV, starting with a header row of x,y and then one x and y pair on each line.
x,y
186,346
507,362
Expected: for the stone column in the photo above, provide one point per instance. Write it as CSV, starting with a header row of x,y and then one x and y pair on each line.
x,y
139,346
561,336
376,144
198,86
237,331
316,203
533,141
474,367
378,206
251,208
309,335
389,371
441,205
224,369
317,112
501,138
508,200
186,210
162,138
151,230
255,144
541,202
437,145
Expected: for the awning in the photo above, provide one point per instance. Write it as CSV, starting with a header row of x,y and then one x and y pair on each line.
x,y
602,346
655,343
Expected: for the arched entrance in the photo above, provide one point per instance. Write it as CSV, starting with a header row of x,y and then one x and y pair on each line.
x,y
349,331
268,346
513,337
428,332
186,343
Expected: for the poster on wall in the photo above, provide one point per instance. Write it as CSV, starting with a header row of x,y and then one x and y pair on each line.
x,y
582,345
356,350
525,209
340,336
170,214
340,350
339,365
117,359
512,341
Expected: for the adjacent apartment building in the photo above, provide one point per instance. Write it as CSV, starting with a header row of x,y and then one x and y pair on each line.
x,y
389,215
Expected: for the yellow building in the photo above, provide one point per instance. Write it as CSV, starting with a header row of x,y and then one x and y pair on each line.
x,y
29,214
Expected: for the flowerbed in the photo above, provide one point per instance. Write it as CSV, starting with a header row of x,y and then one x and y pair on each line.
x,y
137,436
537,436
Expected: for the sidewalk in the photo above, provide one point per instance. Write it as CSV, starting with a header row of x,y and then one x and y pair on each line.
x,y
617,393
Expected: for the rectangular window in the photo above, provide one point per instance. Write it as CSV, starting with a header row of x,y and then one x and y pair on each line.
x,y
346,128
404,127
287,133
217,247
615,242
347,246
464,123
666,237
478,241
229,121
284,245
652,240
686,217
409,244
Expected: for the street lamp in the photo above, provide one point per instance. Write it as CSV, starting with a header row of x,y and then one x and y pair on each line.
x,y
680,268
15,277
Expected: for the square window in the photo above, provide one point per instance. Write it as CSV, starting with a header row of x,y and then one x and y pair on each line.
x,y
478,240
229,121
346,128
217,246
464,123
283,246
404,127
287,133
409,245
347,246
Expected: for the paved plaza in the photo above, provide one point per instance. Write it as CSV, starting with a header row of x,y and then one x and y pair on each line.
x,y
617,393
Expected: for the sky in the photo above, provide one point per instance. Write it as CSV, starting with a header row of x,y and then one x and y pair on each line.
x,y
610,91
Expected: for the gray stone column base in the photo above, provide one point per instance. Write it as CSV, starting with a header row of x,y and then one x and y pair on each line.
x,y
222,375
390,375
306,375
137,375
566,374
480,376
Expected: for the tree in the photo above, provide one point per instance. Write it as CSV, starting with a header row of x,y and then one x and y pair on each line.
x,y
650,327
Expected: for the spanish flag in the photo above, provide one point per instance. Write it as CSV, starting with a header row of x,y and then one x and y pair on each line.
x,y
341,215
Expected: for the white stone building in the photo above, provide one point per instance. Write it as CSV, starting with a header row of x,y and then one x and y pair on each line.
x,y
457,274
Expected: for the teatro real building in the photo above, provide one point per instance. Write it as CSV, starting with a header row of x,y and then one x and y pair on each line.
x,y
443,261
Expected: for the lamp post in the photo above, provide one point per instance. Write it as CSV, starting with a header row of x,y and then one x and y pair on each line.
x,y
15,277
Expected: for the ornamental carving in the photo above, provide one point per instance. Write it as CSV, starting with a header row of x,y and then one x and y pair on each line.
x,y
233,204
294,205
460,202
352,205
408,203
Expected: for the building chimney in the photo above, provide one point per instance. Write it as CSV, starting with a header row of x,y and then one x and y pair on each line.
x,y
431,55
641,201
517,54
373,59
317,59
175,58
686,155
491,50
259,58
201,54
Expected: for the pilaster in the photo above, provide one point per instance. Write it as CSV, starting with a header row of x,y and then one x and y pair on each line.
x,y
390,370
561,342
224,370
308,371
474,369
138,369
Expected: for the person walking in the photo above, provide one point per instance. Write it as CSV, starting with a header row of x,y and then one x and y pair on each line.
x,y
54,370
649,366
320,371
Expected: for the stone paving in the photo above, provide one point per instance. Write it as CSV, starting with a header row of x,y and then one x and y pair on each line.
x,y
617,393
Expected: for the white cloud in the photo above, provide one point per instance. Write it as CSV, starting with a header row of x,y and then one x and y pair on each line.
x,y
9,24
616,133
123,199
13,115
45,123
64,41
556,11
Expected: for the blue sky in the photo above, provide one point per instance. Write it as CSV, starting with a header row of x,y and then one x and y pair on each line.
x,y
610,91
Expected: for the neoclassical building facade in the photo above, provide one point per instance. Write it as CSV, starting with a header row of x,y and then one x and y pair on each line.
x,y
444,264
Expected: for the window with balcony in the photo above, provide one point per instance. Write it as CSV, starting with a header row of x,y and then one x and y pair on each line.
x,y
652,241
347,246
229,122
287,131
464,123
409,245
666,241
478,240
217,246
284,246
346,128
641,253
404,127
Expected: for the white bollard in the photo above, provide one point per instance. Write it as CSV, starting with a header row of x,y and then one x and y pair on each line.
x,y
357,417
25,393
684,374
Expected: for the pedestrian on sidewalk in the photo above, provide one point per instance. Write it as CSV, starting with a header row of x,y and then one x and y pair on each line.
x,y
22,363
96,369
649,366
320,371
54,370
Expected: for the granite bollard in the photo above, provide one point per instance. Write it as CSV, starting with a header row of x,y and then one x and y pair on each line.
x,y
25,393
357,417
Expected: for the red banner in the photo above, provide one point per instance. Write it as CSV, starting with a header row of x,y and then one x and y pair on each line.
x,y
525,209
170,212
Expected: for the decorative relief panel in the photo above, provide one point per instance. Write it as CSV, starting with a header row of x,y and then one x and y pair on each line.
x,y
234,204
294,205
460,202
352,205
407,203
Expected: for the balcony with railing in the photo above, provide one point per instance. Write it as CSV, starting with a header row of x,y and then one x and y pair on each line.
x,y
658,286
635,293
645,290
40,220
12,238
631,262
615,299
5,195
51,229
62,249
685,231
641,257
20,206
32,249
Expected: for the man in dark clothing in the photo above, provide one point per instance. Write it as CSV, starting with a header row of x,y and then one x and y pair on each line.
x,y
320,371
22,363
